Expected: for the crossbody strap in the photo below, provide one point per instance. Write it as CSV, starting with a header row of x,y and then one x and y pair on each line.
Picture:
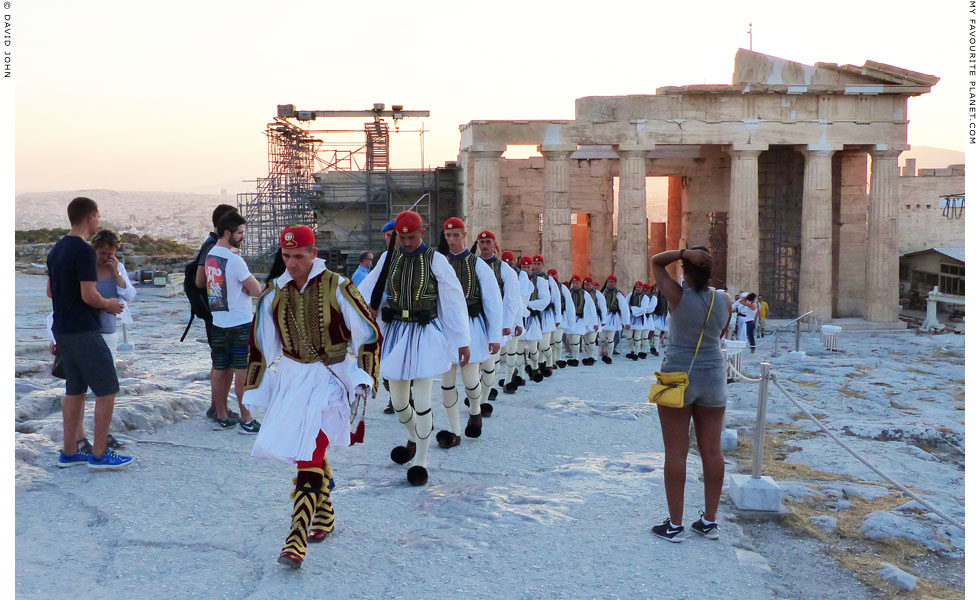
x,y
713,292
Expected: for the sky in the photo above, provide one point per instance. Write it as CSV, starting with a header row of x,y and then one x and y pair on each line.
x,y
174,96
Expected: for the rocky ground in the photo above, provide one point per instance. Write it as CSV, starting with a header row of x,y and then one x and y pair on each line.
x,y
556,498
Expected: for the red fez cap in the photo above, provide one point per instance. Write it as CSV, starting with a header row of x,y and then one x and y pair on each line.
x,y
638,283
453,223
537,258
576,278
297,237
553,272
507,255
611,278
525,260
587,280
408,221
486,234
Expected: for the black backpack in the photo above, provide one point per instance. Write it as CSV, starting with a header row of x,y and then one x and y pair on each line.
x,y
197,297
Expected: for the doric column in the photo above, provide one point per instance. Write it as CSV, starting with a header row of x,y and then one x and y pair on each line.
x,y
556,231
817,260
881,264
483,211
631,233
743,221
675,216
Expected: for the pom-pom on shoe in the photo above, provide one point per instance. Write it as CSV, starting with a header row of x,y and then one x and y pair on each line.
x,y
417,475
474,426
486,409
403,454
447,439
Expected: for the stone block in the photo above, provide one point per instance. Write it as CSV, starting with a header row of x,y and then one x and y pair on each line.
x,y
797,355
729,440
761,494
825,522
880,525
897,577
752,560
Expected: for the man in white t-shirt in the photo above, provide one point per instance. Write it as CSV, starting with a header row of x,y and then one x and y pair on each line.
x,y
230,288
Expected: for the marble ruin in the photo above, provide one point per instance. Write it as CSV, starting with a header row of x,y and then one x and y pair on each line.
x,y
770,172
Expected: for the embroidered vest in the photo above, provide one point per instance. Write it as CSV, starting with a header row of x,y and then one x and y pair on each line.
x,y
636,299
310,324
612,302
497,264
578,299
411,285
465,267
662,307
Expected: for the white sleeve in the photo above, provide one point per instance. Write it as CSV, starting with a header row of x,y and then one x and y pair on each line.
x,y
50,324
653,305
638,311
569,304
512,296
360,333
555,294
624,307
527,288
544,295
128,292
268,344
591,318
452,303
493,306
601,306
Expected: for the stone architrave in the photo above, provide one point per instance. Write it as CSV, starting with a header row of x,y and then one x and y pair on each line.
x,y
743,220
817,260
556,230
484,210
631,233
881,264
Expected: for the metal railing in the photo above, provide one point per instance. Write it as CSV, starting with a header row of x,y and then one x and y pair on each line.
x,y
813,320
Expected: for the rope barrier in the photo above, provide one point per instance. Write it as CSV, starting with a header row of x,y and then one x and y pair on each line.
x,y
830,434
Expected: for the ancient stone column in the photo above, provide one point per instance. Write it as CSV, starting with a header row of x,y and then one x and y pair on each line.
x,y
556,232
743,221
817,260
881,263
484,209
631,234
675,217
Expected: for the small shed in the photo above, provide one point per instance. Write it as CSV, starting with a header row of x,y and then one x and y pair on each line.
x,y
920,271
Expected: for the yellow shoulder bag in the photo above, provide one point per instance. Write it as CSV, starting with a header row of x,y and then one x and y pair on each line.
x,y
669,389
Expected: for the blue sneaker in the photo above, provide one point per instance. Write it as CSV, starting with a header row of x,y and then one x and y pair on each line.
x,y
72,460
110,460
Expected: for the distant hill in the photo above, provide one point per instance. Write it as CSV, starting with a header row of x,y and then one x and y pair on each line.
x,y
927,157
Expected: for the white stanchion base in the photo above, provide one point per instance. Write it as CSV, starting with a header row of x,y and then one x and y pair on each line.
x,y
797,355
761,494
125,347
729,440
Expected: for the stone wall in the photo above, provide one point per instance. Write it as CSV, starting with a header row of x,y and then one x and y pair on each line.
x,y
921,222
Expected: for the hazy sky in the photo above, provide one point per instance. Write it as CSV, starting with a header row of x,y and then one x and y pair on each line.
x,y
170,96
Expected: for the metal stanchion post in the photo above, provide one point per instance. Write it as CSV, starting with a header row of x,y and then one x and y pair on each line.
x,y
760,423
797,336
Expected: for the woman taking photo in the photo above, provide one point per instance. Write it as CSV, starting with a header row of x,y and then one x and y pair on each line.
x,y
695,308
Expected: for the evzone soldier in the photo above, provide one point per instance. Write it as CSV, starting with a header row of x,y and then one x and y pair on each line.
x,y
648,321
581,317
558,336
638,303
512,376
512,321
659,320
328,341
591,337
424,328
537,317
484,307
549,318
616,311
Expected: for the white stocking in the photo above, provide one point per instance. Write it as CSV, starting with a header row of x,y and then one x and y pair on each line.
x,y
450,399
574,340
422,393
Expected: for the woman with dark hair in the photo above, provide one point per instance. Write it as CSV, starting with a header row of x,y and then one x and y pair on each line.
x,y
748,312
698,318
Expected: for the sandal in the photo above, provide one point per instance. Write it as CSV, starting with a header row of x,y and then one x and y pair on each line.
x,y
114,444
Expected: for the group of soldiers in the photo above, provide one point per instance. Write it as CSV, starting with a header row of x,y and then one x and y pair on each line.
x,y
420,314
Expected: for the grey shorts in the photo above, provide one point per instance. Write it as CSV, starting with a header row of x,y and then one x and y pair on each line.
x,y
707,387
88,364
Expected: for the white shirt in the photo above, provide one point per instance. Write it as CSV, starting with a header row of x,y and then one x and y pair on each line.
x,y
229,303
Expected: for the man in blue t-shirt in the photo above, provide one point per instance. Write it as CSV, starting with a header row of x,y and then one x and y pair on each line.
x,y
78,332
366,260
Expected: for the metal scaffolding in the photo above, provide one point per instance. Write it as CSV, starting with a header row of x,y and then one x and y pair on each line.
x,y
286,196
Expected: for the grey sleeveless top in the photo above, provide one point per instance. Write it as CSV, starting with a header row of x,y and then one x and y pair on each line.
x,y
107,288
685,322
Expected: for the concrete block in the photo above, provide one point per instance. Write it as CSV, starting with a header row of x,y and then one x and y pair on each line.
x,y
898,578
755,494
797,355
729,440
